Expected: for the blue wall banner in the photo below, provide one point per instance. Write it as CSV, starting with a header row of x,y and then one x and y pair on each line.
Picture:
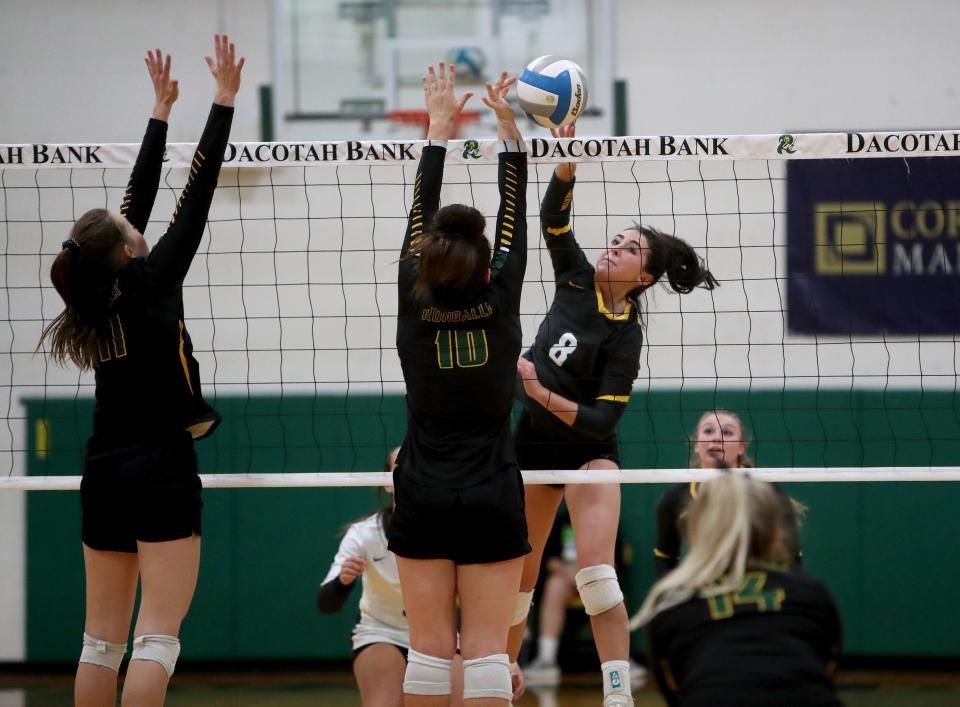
x,y
873,246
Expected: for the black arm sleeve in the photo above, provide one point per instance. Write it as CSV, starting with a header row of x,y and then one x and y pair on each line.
x,y
426,193
170,259
333,595
600,419
509,261
426,201
565,252
666,551
145,177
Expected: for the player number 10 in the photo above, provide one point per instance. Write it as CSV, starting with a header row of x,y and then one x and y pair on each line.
x,y
465,348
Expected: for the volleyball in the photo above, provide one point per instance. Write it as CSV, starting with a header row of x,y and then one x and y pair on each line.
x,y
552,91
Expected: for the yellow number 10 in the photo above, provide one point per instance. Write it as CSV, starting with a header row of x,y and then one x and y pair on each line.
x,y
465,348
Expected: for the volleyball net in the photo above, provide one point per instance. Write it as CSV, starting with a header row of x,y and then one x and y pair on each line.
x,y
832,336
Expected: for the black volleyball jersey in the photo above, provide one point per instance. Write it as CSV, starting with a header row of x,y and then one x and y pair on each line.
x,y
774,641
672,508
582,351
148,382
459,354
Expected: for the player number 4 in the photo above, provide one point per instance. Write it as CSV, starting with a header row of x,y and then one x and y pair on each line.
x,y
723,606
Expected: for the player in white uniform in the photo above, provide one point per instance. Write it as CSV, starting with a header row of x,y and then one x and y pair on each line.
x,y
381,637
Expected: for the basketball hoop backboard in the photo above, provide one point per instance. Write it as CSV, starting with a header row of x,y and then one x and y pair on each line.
x,y
342,68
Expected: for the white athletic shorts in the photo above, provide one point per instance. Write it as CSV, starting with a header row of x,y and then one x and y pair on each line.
x,y
369,630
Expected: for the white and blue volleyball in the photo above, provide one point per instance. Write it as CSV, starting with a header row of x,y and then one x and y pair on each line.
x,y
552,91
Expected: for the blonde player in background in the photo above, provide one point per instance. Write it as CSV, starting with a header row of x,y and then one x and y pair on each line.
x,y
719,440
733,624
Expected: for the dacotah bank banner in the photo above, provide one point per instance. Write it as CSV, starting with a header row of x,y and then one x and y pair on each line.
x,y
874,246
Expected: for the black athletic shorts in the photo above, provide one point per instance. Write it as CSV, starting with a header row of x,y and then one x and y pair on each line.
x,y
149,493
536,451
473,525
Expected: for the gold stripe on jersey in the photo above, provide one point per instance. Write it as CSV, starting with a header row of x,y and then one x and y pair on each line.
x,y
615,398
416,213
602,308
662,555
559,231
127,198
508,203
567,200
693,489
183,360
668,678
198,160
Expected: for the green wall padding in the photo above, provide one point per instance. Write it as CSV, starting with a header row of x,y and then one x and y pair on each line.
x,y
886,550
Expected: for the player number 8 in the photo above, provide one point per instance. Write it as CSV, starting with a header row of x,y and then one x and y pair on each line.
x,y
563,348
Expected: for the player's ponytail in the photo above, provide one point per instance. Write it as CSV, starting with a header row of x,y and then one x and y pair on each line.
x,y
83,274
454,254
733,517
674,258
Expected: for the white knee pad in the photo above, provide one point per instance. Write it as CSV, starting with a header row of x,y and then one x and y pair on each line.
x,y
158,648
487,677
524,600
426,675
599,589
102,653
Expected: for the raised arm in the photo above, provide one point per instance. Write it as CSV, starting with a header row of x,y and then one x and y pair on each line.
x,y
145,177
171,257
565,253
510,242
444,108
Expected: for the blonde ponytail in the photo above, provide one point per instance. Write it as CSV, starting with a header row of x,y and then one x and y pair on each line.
x,y
733,518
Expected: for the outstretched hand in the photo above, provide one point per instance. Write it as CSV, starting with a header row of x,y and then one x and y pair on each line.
x,y
225,69
165,89
496,100
443,106
565,171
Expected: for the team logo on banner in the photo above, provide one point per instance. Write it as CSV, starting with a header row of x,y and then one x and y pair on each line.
x,y
850,238
471,149
787,145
